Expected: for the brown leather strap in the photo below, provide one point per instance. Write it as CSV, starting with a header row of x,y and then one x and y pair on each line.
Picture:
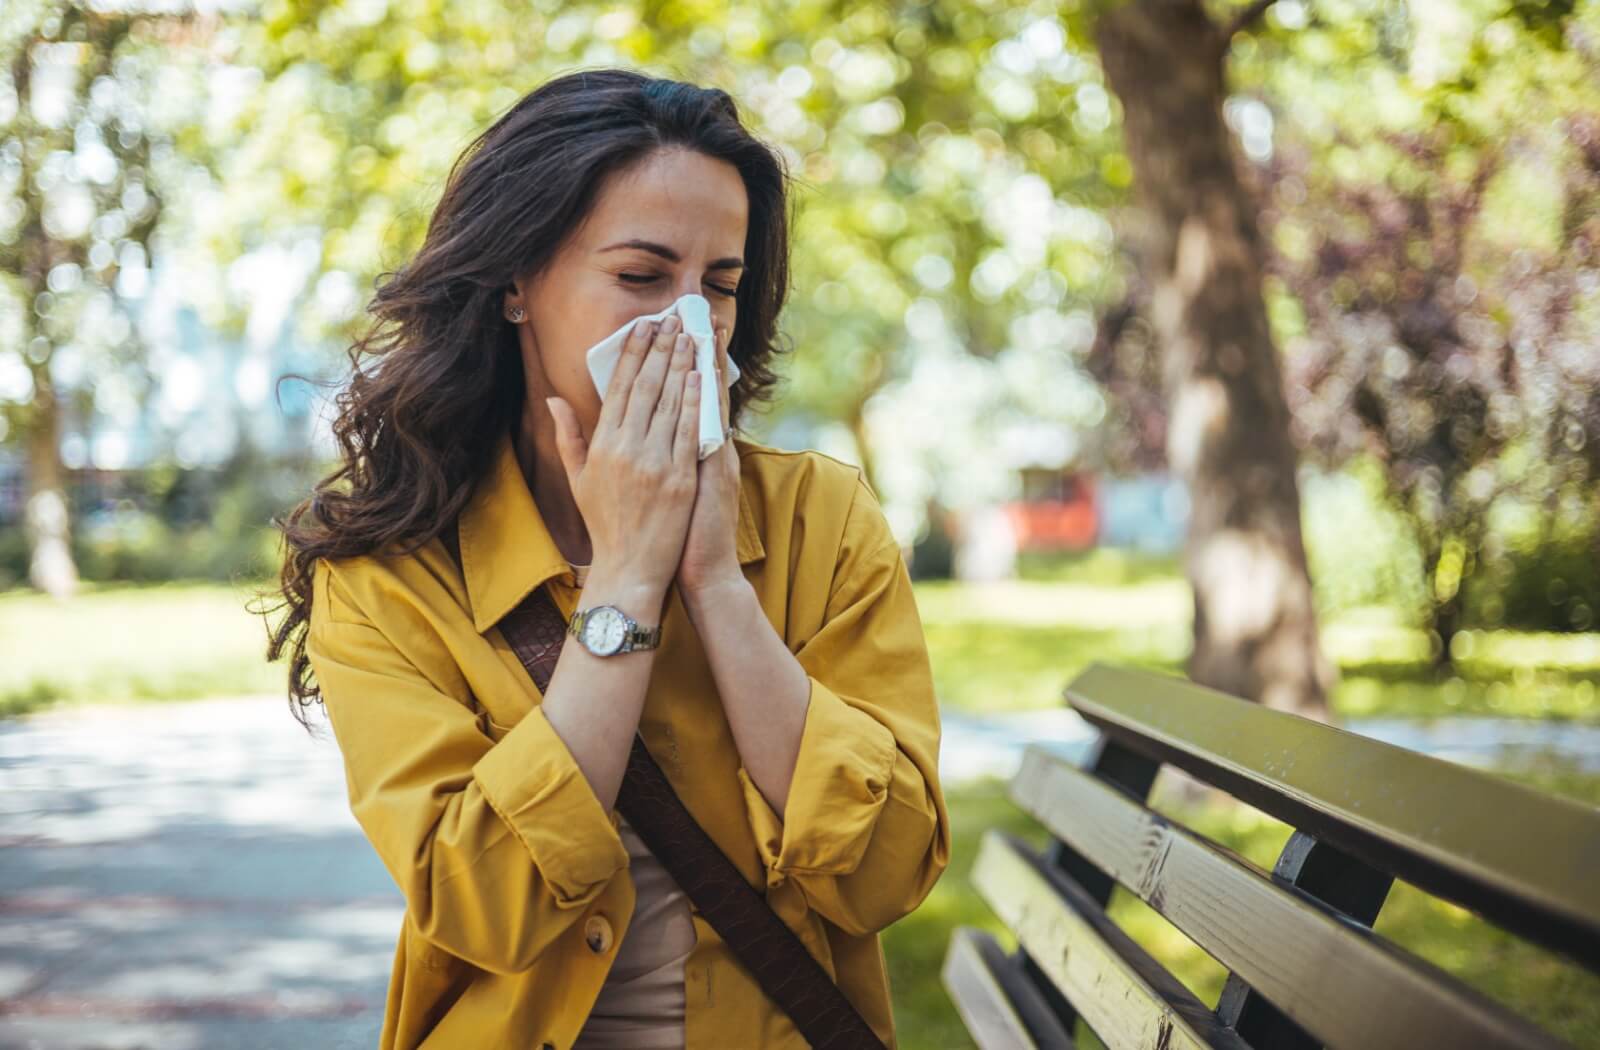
x,y
786,970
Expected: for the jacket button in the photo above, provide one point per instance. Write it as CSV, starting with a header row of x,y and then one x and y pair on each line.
x,y
597,931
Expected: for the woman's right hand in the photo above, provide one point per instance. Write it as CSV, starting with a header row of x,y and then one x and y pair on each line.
x,y
634,480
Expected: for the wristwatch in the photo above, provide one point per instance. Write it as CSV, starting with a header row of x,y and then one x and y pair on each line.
x,y
606,630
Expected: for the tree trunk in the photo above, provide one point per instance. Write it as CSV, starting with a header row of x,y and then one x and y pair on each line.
x,y
50,568
856,415
858,430
46,518
1255,631
1451,562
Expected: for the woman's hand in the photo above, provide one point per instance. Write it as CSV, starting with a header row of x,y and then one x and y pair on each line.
x,y
634,479
709,554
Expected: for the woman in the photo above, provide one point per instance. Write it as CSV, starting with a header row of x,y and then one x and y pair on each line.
x,y
789,700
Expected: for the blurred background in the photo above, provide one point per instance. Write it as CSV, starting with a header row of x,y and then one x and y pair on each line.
x,y
1255,342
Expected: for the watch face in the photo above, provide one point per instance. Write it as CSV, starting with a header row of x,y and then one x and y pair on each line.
x,y
604,629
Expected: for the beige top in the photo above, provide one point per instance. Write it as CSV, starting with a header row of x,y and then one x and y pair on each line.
x,y
641,1003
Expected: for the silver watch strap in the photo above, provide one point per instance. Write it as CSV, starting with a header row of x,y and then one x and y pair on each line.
x,y
642,638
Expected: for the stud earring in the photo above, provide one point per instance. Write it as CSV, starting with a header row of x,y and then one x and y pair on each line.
x,y
517,315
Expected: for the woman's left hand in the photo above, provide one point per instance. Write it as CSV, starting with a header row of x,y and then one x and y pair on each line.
x,y
709,556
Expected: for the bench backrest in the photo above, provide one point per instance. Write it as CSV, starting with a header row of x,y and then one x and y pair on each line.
x,y
1305,969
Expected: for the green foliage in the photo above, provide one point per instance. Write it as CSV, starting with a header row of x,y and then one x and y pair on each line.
x,y
82,147
140,547
1361,551
1543,571
944,154
169,524
1536,569
1432,199
933,554
14,555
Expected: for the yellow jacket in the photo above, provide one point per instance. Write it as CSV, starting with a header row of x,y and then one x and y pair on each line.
x,y
505,855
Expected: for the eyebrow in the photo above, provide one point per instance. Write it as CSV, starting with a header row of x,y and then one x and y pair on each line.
x,y
727,263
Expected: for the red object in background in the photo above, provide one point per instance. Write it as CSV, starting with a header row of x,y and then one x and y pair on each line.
x,y
1060,513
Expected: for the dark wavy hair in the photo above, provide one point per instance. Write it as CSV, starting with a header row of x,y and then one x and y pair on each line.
x,y
438,378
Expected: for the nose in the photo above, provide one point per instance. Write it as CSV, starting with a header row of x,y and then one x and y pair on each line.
x,y
689,282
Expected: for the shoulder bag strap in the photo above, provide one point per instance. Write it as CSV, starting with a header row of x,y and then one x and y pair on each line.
x,y
787,971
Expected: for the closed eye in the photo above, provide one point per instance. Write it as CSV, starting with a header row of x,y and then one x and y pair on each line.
x,y
646,278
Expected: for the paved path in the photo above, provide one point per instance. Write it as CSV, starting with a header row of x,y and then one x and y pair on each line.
x,y
177,876
187,876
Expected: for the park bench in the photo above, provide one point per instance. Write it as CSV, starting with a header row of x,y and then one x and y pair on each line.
x,y
1305,968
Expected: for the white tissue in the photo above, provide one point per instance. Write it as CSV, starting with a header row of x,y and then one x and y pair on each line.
x,y
695,313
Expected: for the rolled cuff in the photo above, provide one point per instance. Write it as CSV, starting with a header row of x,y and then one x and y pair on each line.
x,y
536,785
840,783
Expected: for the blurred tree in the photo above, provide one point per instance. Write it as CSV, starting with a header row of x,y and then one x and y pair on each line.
x,y
945,154
1468,389
1227,437
1425,175
955,162
1443,273
77,208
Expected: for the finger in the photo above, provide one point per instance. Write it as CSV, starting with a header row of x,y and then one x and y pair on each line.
x,y
686,442
615,403
665,420
646,389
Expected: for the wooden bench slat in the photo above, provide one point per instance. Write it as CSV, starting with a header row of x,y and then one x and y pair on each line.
x,y
1001,1009
1516,856
1338,980
1122,994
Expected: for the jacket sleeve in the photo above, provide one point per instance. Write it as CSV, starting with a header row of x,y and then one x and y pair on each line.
x,y
497,846
865,834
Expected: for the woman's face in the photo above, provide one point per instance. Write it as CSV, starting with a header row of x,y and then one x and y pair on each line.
x,y
671,224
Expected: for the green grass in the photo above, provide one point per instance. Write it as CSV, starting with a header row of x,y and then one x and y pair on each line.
x,y
1106,566
1555,994
1005,646
988,670
1551,693
1013,645
133,642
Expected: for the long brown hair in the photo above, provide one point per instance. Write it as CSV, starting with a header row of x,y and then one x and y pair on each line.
x,y
438,377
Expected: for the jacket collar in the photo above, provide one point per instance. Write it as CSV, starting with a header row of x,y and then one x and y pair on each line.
x,y
507,551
